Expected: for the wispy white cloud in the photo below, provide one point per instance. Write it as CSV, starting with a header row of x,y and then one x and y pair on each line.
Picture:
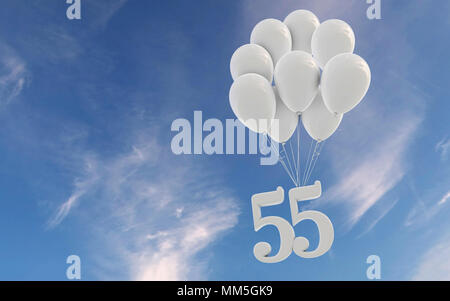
x,y
170,258
369,161
443,147
81,186
151,212
424,210
154,213
56,43
13,74
434,265
104,11
444,199
384,211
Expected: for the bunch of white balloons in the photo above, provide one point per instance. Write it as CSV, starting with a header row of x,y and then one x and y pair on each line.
x,y
292,54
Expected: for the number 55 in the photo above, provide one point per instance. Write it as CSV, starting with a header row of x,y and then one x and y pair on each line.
x,y
288,241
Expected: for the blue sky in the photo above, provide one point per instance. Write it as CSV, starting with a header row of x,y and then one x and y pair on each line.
x,y
86,166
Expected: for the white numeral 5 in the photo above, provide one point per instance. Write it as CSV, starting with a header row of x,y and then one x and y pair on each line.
x,y
324,225
288,241
287,235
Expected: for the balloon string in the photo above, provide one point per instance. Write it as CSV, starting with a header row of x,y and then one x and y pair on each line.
x,y
298,155
293,160
286,169
313,164
281,160
288,165
310,163
307,161
319,150
287,159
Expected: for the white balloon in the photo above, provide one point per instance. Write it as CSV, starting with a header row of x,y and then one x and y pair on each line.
x,y
331,38
302,24
285,121
253,101
345,82
251,58
297,78
318,121
274,36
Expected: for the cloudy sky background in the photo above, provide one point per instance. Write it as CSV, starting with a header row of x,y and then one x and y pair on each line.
x,y
86,166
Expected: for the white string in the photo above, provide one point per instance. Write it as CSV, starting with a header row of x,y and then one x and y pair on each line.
x,y
317,154
286,169
298,155
288,161
313,160
308,161
293,160
293,170
281,160
313,164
